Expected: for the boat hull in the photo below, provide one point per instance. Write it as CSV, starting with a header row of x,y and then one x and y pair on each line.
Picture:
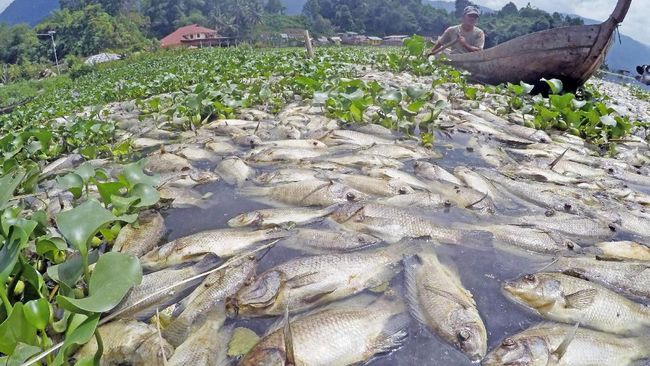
x,y
571,54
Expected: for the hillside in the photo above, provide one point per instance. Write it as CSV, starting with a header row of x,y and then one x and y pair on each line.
x,y
28,11
450,7
294,7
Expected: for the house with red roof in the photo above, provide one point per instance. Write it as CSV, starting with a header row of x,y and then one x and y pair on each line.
x,y
195,35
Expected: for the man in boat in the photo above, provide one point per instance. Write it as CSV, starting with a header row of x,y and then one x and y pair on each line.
x,y
465,37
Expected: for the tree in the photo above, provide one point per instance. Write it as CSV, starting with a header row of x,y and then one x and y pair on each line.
x,y
343,20
509,9
274,7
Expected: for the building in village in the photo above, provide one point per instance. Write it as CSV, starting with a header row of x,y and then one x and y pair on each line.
x,y
374,41
195,35
396,40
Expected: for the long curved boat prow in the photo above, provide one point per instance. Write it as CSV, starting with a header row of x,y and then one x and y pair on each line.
x,y
571,54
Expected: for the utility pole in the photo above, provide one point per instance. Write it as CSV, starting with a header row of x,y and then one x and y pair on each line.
x,y
56,58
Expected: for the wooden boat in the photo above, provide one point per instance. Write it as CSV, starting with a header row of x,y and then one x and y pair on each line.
x,y
571,54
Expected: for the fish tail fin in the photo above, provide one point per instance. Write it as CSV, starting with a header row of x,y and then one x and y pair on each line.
x,y
253,191
209,262
411,264
393,335
178,330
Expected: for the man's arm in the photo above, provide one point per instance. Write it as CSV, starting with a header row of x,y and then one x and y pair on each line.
x,y
444,40
472,48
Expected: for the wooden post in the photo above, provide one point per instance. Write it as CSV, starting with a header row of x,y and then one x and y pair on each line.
x,y
310,50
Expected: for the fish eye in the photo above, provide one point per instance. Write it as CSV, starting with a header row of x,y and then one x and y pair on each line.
x,y
567,207
549,213
464,335
402,190
530,278
508,343
350,196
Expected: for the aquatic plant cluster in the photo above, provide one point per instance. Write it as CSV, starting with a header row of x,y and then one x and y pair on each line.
x,y
353,142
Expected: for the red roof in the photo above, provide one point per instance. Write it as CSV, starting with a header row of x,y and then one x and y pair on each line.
x,y
182,33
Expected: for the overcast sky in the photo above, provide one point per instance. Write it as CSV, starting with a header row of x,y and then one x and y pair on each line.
x,y
635,25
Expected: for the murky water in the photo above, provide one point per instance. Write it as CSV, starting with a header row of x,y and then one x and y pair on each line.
x,y
482,271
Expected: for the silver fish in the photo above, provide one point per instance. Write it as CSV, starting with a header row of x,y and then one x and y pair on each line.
x,y
555,344
567,299
354,335
224,243
306,193
133,305
324,241
306,282
439,301
234,170
141,239
279,216
207,345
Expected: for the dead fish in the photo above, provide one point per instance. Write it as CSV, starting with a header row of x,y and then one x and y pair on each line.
x,y
307,282
279,216
397,174
208,297
324,241
566,299
183,197
141,239
531,239
393,224
629,278
396,151
166,162
374,129
474,124
234,170
354,137
481,184
128,342
459,194
305,193
246,140
275,154
365,160
370,185
188,179
624,250
354,335
434,172
224,243
133,306
297,144
512,128
286,175
562,345
146,142
207,345
538,174
492,155
222,148
62,164
571,225
425,200
280,132
197,154
439,301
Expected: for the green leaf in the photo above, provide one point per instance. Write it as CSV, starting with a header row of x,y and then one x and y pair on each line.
x,y
392,95
85,171
37,313
108,189
32,276
22,353
68,273
415,45
81,223
470,93
133,173
16,329
562,101
8,185
10,251
114,275
555,85
73,182
148,195
415,92
77,336
527,88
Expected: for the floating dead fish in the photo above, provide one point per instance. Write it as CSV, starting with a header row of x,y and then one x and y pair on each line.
x,y
141,239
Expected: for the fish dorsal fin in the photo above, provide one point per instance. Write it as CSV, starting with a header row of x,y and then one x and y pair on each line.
x,y
302,280
561,350
581,299
288,340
